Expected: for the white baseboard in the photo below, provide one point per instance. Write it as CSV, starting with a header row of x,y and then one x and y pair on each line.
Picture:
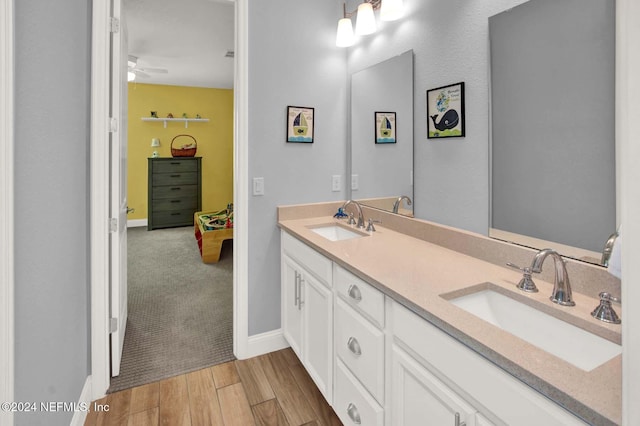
x,y
79,416
264,343
135,223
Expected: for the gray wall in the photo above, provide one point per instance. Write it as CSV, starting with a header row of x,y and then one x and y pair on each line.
x,y
553,149
450,42
51,203
292,61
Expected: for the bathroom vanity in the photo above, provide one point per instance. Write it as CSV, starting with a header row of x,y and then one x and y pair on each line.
x,y
374,319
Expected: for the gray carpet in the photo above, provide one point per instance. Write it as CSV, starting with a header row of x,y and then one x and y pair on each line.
x,y
180,309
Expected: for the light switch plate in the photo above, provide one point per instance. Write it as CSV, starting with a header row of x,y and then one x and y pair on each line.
x,y
258,186
335,183
355,182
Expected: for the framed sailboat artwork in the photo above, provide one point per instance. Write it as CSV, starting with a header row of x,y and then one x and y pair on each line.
x,y
300,124
385,123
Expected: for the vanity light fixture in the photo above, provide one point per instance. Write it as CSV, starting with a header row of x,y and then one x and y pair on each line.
x,y
390,10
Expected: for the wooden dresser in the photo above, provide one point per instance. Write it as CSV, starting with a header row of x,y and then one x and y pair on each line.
x,y
175,191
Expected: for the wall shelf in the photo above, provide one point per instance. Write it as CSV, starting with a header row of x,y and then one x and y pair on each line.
x,y
185,120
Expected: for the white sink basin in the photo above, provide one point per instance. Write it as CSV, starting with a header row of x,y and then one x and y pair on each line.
x,y
566,341
337,232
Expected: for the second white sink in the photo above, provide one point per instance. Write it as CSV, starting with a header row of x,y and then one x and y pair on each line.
x,y
566,341
333,232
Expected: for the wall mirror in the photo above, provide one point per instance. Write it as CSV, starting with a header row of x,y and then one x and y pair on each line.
x,y
552,126
382,134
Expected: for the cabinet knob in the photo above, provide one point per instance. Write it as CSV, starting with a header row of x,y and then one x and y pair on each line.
x,y
353,413
354,293
354,346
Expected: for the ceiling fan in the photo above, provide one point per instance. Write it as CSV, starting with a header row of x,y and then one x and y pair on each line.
x,y
133,71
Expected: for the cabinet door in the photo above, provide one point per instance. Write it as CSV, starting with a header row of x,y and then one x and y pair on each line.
x,y
317,308
291,308
420,398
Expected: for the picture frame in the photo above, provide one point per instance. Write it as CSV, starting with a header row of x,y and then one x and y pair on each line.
x,y
385,127
445,112
300,124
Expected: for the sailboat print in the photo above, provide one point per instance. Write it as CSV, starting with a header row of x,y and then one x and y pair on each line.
x,y
385,127
300,126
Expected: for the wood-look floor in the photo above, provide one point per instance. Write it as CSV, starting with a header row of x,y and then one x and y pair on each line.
x,y
272,389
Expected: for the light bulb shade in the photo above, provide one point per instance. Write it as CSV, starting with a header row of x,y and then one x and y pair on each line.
x,y
366,21
344,36
390,10
155,142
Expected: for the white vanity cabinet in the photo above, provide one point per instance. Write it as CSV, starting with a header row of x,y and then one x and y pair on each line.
x,y
307,310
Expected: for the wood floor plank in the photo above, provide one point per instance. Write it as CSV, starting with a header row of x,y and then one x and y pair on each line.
x,y
325,414
225,374
145,418
174,402
118,414
269,413
255,382
295,406
145,397
92,415
291,357
235,406
203,399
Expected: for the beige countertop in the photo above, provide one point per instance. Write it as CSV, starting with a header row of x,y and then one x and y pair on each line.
x,y
416,273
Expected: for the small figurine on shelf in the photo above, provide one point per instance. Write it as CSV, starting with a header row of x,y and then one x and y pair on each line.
x,y
169,115
154,114
184,115
198,116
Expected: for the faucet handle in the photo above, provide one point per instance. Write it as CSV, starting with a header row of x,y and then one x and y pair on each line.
x,y
604,311
526,283
370,227
351,220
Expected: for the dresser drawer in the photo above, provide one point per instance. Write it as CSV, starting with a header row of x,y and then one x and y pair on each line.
x,y
352,403
360,295
175,165
175,191
177,178
168,219
178,203
360,346
312,261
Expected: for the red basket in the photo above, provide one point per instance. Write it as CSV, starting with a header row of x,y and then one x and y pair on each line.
x,y
184,152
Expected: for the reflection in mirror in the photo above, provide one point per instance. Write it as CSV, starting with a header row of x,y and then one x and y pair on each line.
x,y
552,125
383,172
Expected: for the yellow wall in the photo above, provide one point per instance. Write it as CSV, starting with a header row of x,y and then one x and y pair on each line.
x,y
215,139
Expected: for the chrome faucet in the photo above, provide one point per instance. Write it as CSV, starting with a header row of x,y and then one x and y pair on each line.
x,y
396,205
359,208
561,287
608,247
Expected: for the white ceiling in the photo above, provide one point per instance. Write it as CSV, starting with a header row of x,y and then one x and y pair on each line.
x,y
188,38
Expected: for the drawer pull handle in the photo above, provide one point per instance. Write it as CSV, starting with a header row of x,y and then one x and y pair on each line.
x,y
354,346
176,175
176,189
175,163
352,411
457,420
296,291
300,299
176,201
176,214
354,293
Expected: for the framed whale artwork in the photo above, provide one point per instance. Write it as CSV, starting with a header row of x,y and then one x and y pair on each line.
x,y
445,111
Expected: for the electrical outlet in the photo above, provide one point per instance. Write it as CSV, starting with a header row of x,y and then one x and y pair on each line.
x,y
355,182
336,185
258,186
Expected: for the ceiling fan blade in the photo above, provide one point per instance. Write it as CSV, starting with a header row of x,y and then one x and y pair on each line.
x,y
140,73
154,70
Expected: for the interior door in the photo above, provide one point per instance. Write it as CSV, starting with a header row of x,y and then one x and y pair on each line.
x,y
118,186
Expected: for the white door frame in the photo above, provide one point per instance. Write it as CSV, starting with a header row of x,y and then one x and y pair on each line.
x,y
7,323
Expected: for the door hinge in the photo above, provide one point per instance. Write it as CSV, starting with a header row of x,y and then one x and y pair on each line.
x,y
113,124
114,25
113,224
113,325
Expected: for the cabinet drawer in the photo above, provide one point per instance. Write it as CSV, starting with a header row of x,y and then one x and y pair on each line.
x,y
360,295
352,403
172,218
360,346
312,261
176,165
175,191
178,203
178,178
